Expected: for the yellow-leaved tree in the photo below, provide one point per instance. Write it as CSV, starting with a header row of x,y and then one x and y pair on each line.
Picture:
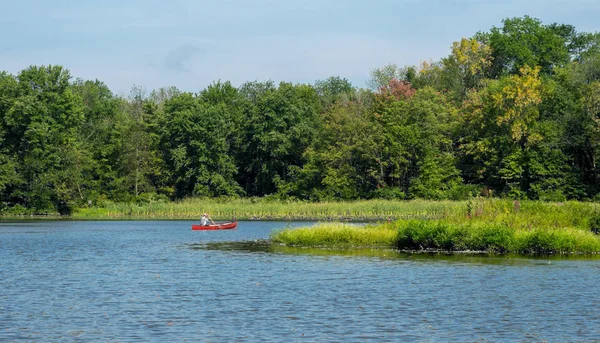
x,y
517,102
499,125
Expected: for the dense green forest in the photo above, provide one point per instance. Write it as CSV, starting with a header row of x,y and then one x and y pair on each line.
x,y
512,112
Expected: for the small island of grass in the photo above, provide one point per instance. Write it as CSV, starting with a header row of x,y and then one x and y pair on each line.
x,y
493,226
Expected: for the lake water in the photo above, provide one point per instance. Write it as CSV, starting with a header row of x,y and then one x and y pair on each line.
x,y
158,281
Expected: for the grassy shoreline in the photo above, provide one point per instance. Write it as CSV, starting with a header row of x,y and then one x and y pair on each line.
x,y
443,236
534,213
490,226
262,209
478,225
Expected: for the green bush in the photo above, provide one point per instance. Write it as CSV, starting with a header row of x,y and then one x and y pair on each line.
x,y
594,223
554,196
388,193
17,210
454,237
463,192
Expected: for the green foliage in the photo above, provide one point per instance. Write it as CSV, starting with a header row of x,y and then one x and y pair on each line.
x,y
336,234
41,119
453,237
514,111
443,236
333,89
9,175
278,125
415,148
494,229
388,193
272,208
195,137
464,70
381,77
595,223
341,160
526,41
463,191
437,178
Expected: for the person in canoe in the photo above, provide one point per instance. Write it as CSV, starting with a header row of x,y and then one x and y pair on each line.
x,y
205,220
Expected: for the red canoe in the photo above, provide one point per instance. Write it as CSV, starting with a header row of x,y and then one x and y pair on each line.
x,y
216,226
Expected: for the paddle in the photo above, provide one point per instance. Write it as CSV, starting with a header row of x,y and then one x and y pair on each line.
x,y
210,219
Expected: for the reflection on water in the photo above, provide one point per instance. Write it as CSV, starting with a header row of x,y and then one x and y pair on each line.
x,y
264,246
159,281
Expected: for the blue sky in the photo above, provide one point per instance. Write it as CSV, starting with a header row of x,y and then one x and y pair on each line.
x,y
189,44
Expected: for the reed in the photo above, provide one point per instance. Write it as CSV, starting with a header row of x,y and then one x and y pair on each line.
x,y
337,235
264,209
520,214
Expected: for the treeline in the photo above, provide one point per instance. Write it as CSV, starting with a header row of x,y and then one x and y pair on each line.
x,y
511,112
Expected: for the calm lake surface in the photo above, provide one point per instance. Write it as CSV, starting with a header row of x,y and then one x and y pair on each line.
x,y
88,281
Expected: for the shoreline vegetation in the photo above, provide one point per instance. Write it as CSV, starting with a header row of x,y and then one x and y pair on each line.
x,y
477,225
264,209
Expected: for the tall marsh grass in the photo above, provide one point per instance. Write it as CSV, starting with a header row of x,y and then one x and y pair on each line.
x,y
337,235
496,226
444,236
263,209
520,214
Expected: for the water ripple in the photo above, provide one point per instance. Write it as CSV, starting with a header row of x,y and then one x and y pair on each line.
x,y
160,281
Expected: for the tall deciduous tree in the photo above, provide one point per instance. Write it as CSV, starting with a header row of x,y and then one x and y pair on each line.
x,y
419,156
341,161
506,143
196,142
279,124
526,41
465,68
42,121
